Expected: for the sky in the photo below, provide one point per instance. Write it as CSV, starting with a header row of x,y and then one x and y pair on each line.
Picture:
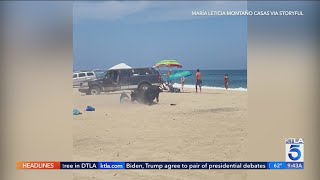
x,y
141,33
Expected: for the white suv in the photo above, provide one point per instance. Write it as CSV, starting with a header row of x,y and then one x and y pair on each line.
x,y
80,77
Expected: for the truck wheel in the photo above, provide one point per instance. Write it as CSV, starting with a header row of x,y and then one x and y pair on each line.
x,y
95,90
144,87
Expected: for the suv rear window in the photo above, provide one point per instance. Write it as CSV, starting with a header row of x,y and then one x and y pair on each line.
x,y
145,71
75,75
90,74
152,71
125,73
82,74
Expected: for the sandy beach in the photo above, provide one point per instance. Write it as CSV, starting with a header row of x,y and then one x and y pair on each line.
x,y
207,126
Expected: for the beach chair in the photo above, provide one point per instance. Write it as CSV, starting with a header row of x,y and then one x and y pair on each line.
x,y
169,88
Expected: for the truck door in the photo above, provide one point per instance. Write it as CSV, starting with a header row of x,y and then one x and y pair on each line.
x,y
124,79
75,80
81,78
108,81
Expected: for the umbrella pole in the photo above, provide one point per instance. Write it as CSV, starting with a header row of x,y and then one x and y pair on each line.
x,y
169,75
160,74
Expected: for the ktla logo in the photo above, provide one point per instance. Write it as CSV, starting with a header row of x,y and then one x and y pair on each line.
x,y
294,150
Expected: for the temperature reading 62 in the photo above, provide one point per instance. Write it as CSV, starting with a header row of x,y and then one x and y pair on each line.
x,y
277,165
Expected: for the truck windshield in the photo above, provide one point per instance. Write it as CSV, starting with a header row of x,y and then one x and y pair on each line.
x,y
103,75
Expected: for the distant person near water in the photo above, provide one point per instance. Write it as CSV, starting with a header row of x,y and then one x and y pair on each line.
x,y
182,83
198,80
226,81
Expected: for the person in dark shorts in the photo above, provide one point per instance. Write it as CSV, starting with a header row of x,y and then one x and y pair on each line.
x,y
198,80
226,81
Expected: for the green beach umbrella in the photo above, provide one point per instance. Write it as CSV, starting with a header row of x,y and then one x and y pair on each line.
x,y
179,75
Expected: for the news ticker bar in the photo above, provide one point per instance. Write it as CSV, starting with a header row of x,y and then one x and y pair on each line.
x,y
159,165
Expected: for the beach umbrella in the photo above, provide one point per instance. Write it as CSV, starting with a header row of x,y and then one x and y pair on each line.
x,y
179,75
168,63
120,66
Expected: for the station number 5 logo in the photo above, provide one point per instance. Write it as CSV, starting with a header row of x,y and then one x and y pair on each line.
x,y
294,149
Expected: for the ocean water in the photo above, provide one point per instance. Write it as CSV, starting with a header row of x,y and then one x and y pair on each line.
x,y
214,79
211,79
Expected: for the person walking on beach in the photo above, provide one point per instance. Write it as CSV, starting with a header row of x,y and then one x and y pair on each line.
x,y
198,80
182,83
226,81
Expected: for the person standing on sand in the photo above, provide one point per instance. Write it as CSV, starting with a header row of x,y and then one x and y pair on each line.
x,y
226,81
182,83
198,80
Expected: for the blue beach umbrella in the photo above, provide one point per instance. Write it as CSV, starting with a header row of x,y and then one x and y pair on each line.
x,y
179,75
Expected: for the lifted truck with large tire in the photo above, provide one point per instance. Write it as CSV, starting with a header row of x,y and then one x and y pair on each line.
x,y
122,79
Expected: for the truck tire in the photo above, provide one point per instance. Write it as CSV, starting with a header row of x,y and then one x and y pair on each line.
x,y
95,90
144,86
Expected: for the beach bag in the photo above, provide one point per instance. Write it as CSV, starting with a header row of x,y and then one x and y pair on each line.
x,y
90,108
124,98
76,112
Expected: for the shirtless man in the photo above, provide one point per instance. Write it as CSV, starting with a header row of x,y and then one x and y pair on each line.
x,y
198,80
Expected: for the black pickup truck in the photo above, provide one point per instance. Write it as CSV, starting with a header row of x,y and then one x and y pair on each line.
x,y
122,79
